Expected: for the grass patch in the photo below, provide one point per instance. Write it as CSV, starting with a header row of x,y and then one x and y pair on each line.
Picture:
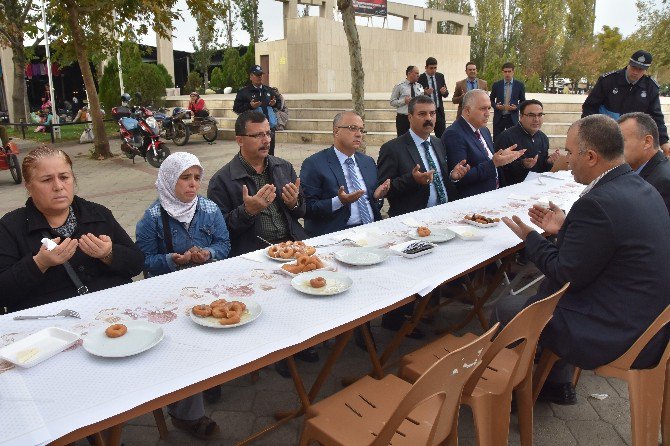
x,y
68,132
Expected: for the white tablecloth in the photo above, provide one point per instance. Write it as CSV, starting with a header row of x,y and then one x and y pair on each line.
x,y
74,389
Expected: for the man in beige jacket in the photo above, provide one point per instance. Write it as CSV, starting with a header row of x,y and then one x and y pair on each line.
x,y
467,84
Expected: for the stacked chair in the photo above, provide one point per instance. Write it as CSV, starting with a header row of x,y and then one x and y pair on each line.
x,y
506,367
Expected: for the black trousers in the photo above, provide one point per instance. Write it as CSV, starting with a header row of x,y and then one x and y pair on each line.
x,y
503,124
440,122
401,124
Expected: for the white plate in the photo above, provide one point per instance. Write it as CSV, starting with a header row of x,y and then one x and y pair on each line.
x,y
276,259
467,233
253,311
326,267
336,283
38,346
436,235
141,336
399,248
481,225
361,256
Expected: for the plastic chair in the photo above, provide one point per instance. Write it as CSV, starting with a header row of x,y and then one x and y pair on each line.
x,y
503,370
665,417
646,401
547,360
390,410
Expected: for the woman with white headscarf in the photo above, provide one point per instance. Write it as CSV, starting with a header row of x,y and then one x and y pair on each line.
x,y
181,228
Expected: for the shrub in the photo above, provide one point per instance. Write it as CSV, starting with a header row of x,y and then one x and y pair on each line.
x,y
166,76
193,83
217,79
148,80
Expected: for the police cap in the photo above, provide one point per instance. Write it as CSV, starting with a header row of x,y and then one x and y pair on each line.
x,y
640,59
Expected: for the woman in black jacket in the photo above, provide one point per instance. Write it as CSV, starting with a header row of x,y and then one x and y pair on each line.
x,y
100,252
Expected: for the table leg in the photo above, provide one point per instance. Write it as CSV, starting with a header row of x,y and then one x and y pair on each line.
x,y
406,328
114,435
161,424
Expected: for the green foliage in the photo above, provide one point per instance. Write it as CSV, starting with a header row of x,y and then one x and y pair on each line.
x,y
205,44
148,80
534,84
166,76
217,80
109,88
193,83
249,19
457,6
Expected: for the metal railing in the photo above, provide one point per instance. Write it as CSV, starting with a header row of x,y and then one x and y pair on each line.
x,y
53,128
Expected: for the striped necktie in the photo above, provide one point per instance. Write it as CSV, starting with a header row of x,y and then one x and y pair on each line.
x,y
361,202
437,179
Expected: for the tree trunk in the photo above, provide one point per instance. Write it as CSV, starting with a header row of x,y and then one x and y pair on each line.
x,y
19,93
355,58
206,78
101,143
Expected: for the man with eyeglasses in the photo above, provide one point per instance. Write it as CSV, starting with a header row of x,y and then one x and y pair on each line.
x,y
468,140
259,194
527,135
469,83
258,97
416,164
340,183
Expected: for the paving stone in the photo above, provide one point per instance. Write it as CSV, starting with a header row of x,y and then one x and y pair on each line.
x,y
551,431
580,411
620,386
234,424
268,402
594,433
591,383
286,435
239,398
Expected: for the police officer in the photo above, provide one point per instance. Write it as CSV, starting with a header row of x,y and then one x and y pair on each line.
x,y
628,90
256,96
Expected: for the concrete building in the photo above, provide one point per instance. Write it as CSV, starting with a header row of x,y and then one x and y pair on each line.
x,y
313,57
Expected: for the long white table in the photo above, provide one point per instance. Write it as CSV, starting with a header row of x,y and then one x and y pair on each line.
x,y
75,389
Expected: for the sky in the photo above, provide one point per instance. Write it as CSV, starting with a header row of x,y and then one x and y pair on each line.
x,y
621,13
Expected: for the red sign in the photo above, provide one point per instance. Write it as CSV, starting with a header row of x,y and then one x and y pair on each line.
x,y
370,7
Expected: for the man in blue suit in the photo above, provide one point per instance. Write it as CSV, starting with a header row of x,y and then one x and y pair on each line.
x,y
506,95
468,139
612,247
339,183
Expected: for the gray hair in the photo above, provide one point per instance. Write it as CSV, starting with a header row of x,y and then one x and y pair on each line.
x,y
601,134
470,97
645,126
338,117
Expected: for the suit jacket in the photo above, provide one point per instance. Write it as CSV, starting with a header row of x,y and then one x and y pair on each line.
x,y
461,89
462,144
617,293
657,173
321,176
517,96
396,160
439,80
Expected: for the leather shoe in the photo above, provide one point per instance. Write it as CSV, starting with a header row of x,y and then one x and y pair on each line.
x,y
308,355
558,393
282,368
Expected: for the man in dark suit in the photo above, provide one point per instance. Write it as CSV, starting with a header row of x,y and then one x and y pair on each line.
x,y
469,83
434,85
468,139
339,183
642,151
617,293
416,165
506,95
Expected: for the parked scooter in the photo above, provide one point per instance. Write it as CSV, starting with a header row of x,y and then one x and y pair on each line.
x,y
181,125
9,160
140,132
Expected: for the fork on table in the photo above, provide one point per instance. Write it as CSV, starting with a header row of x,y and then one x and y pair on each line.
x,y
64,313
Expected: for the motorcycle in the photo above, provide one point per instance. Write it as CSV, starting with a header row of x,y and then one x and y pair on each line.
x,y
140,134
9,160
182,124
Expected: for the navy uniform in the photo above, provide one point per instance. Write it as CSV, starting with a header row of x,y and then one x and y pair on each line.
x,y
614,95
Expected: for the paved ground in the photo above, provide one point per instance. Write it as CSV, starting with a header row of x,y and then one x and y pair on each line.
x,y
128,189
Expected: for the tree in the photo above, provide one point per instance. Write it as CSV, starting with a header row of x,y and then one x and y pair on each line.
x,y
249,19
18,21
230,21
346,7
193,82
205,45
231,65
579,54
457,6
655,30
110,90
612,48
487,46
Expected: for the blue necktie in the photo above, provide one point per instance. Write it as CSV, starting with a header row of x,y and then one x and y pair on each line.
x,y
362,202
437,180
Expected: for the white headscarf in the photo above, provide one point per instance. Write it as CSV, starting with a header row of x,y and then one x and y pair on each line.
x,y
168,175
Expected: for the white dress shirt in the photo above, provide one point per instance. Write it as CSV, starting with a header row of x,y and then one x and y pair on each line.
x,y
432,196
355,217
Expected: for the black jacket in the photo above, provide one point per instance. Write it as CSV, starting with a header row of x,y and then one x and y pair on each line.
x,y
22,283
615,93
243,99
657,173
225,189
439,80
538,144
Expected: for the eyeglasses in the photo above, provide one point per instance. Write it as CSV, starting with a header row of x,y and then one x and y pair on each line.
x,y
353,128
533,115
260,135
